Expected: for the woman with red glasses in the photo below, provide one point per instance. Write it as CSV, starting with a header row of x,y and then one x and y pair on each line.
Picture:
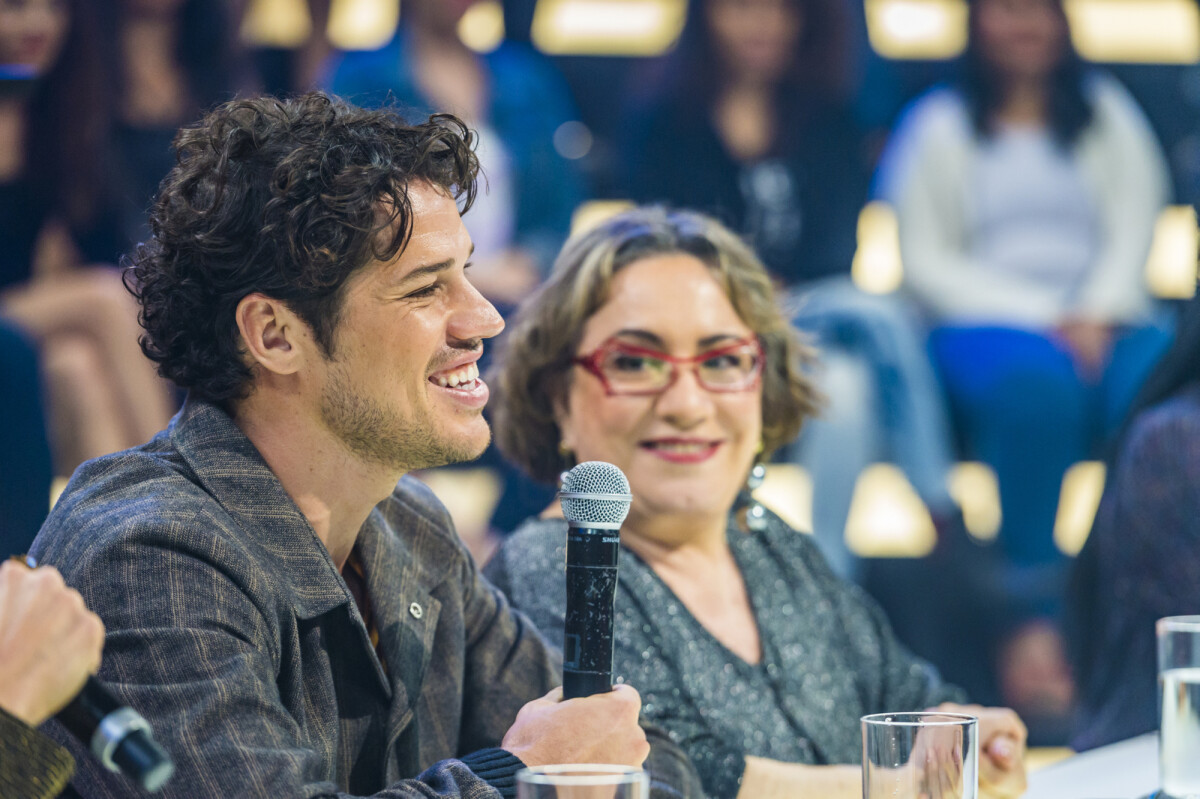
x,y
656,345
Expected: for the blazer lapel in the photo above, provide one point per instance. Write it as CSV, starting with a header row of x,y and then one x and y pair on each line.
x,y
406,615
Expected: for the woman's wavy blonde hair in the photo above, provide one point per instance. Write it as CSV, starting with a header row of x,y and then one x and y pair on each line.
x,y
534,368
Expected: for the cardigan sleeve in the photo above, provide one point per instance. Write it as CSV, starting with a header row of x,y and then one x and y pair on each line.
x,y
1127,165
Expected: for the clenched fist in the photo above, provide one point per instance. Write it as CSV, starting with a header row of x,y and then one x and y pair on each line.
x,y
594,729
49,642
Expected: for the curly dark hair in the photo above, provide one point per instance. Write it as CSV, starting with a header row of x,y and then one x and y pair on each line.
x,y
284,197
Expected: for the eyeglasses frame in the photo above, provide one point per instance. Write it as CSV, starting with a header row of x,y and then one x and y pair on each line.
x,y
591,363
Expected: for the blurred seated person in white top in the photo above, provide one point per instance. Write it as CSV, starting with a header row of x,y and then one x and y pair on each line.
x,y
1027,197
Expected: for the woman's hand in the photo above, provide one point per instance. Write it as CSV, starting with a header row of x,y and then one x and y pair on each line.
x,y
1090,344
1002,737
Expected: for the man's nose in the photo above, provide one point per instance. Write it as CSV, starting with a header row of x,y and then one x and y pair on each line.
x,y
476,318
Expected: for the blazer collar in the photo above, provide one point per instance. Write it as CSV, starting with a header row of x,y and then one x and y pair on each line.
x,y
232,471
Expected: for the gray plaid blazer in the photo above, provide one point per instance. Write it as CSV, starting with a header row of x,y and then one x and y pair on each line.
x,y
232,631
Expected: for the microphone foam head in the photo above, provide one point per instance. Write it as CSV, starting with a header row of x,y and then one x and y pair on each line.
x,y
595,494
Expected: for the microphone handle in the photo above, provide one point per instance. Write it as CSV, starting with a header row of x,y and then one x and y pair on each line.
x,y
117,736
591,595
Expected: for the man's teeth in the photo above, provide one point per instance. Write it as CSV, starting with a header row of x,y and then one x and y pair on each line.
x,y
459,377
691,447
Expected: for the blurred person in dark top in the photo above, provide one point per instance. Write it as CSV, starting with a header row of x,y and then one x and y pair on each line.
x,y
1142,559
25,471
1027,197
170,60
750,123
56,215
517,102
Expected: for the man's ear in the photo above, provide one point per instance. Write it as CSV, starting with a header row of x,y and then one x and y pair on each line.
x,y
275,338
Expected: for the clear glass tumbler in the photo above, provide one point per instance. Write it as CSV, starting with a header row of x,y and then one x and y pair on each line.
x,y
920,756
583,781
1179,706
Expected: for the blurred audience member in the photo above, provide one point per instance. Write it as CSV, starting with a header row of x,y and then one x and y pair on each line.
x,y
749,123
25,471
171,60
1027,198
1142,559
49,644
103,394
519,106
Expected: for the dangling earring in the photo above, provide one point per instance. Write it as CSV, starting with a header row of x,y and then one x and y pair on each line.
x,y
752,515
565,452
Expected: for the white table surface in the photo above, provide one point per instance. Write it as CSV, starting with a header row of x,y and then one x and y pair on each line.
x,y
1125,770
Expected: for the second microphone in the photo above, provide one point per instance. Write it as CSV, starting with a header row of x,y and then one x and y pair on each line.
x,y
595,500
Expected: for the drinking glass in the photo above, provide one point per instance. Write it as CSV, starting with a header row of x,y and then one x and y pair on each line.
x,y
1179,706
583,781
928,755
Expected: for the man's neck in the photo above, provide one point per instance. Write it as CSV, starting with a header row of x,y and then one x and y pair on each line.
x,y
333,488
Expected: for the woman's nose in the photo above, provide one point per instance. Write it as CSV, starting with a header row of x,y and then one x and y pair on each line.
x,y
685,402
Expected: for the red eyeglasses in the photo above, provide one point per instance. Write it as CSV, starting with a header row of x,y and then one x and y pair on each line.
x,y
629,370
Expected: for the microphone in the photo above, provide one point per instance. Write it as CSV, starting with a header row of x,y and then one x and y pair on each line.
x,y
595,501
117,736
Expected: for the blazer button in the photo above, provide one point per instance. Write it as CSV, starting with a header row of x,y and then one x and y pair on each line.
x,y
415,610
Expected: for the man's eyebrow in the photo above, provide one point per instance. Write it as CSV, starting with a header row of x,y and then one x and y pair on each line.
x,y
428,269
433,269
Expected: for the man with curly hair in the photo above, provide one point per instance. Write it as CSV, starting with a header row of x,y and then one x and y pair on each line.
x,y
294,616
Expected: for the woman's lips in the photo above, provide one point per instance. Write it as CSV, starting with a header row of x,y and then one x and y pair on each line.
x,y
681,450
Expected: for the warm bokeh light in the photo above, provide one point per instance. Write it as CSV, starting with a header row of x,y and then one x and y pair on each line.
x,y
788,491
1171,265
593,212
276,23
1136,31
973,485
482,27
877,268
353,24
887,519
607,27
1133,31
1082,486
917,29
362,24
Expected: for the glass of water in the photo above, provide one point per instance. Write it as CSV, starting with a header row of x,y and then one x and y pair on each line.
x,y
583,781
928,755
1179,706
